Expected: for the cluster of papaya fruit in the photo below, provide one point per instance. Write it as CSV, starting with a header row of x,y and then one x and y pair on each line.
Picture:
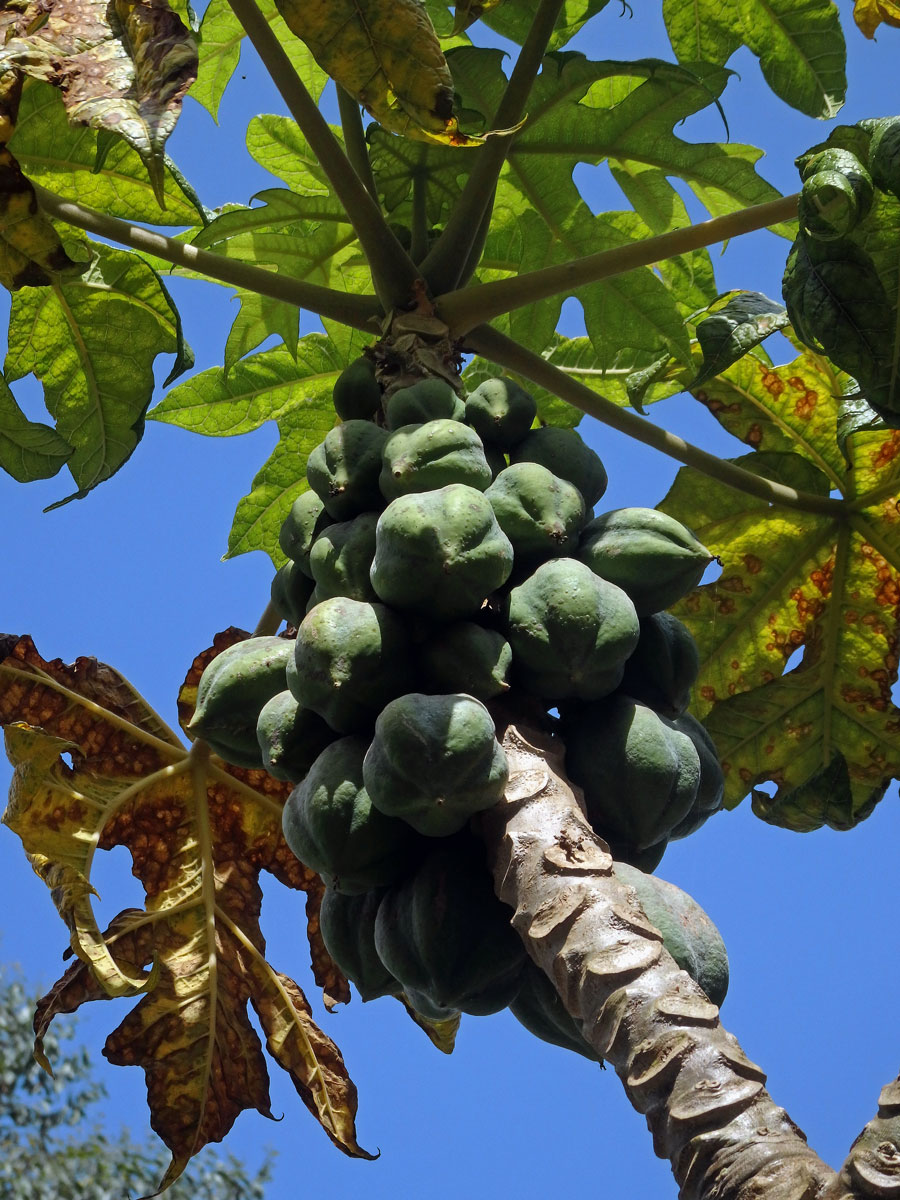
x,y
446,554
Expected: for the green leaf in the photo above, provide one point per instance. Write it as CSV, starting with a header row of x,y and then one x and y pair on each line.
x,y
28,449
92,342
733,324
799,44
259,317
513,20
63,158
221,35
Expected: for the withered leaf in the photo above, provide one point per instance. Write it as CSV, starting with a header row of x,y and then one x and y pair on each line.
x,y
199,834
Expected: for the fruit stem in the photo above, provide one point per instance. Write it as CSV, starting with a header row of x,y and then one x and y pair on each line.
x,y
268,623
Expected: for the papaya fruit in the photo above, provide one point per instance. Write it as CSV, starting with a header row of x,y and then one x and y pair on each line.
x,y
664,666
343,470
501,412
645,552
539,1008
232,689
711,791
350,658
341,557
466,657
290,593
570,631
639,775
565,454
303,524
347,925
434,761
440,553
290,737
687,932
541,514
331,825
442,932
424,1007
356,395
420,458
429,399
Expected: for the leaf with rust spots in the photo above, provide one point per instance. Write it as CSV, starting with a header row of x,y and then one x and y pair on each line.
x,y
122,66
825,733
96,768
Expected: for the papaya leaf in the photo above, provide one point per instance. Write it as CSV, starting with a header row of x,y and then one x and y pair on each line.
x,y
123,68
199,833
733,324
513,21
221,35
31,252
869,14
825,732
92,342
799,44
28,449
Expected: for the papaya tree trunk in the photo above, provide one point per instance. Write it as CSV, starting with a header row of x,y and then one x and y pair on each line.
x,y
705,1103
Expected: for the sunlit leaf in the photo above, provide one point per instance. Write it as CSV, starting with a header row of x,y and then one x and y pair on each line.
x,y
28,449
734,324
199,834
869,14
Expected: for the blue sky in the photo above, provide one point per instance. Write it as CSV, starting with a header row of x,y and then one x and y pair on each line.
x,y
133,575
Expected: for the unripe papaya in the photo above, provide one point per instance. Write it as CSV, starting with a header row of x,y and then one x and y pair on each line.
x,y
688,933
347,925
350,659
303,524
341,557
425,1007
330,824
429,399
356,394
467,658
639,775
434,762
539,1008
565,454
290,737
664,666
501,412
420,458
291,590
711,792
645,552
541,514
570,631
232,690
343,470
440,553
443,933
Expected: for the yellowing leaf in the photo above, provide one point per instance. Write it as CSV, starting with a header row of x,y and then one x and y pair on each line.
x,y
869,14
469,11
388,56
199,833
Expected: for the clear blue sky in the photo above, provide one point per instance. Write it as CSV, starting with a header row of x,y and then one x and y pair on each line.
x,y
133,575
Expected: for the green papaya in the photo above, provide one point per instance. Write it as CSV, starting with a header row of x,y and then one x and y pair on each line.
x,y
541,514
501,412
434,761
496,460
341,557
356,395
565,454
303,524
429,399
343,470
232,690
688,933
884,155
645,552
639,775
444,934
290,737
420,458
711,791
425,1007
331,825
664,666
539,1008
350,658
466,657
440,553
290,593
347,925
570,631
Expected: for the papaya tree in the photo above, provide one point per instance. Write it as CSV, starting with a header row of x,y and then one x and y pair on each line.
x,y
493,704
